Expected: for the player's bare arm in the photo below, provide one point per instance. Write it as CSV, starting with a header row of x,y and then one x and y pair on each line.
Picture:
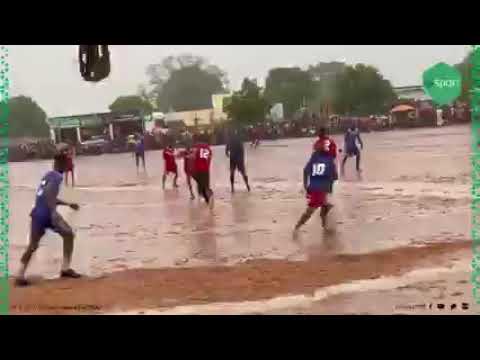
x,y
360,140
53,201
71,205
306,173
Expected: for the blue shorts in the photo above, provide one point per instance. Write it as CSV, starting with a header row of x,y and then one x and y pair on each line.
x,y
40,224
237,163
353,152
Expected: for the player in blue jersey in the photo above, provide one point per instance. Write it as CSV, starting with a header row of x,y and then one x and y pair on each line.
x,y
352,136
318,177
45,216
140,151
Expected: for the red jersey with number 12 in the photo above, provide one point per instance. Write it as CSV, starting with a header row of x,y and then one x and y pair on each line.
x,y
203,157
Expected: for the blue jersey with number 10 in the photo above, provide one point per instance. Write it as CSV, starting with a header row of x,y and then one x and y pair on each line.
x,y
41,212
320,170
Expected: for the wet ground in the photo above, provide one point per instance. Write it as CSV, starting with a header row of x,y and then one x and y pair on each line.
x,y
414,192
442,293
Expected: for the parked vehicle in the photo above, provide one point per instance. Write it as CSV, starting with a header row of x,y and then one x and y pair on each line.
x,y
96,145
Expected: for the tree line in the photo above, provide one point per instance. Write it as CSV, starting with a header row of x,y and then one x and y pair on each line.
x,y
187,82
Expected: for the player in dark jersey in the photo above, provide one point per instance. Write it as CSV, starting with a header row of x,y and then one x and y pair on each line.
x,y
188,164
202,158
352,136
45,216
140,151
318,176
255,135
170,165
235,150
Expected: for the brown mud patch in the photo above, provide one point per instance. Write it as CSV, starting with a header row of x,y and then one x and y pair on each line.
x,y
253,280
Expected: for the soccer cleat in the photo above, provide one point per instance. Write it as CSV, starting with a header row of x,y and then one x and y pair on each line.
x,y
70,273
21,282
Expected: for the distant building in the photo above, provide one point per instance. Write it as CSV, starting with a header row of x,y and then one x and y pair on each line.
x,y
154,122
276,112
201,119
219,101
415,93
79,128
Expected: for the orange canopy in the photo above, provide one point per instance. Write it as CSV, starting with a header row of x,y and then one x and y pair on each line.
x,y
402,108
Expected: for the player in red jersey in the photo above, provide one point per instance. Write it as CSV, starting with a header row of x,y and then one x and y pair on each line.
x,y
202,157
326,142
188,162
170,165
70,165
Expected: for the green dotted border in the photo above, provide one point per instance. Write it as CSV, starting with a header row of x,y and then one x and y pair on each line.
x,y
4,181
475,158
4,178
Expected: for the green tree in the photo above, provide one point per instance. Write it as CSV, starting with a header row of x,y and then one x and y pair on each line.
x,y
248,105
465,68
129,103
292,87
361,90
185,82
26,118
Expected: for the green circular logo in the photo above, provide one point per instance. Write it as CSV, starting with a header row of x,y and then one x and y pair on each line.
x,y
443,83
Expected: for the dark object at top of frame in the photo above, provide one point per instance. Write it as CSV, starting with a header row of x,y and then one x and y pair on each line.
x,y
94,62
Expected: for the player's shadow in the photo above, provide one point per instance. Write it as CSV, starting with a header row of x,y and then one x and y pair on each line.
x,y
241,215
331,241
327,242
203,238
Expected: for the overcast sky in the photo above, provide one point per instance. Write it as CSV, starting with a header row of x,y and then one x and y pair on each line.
x,y
50,74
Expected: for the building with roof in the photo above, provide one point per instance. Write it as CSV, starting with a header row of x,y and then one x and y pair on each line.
x,y
79,128
415,92
196,119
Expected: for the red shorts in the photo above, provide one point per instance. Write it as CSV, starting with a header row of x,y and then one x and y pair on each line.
x,y
171,169
316,199
69,166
